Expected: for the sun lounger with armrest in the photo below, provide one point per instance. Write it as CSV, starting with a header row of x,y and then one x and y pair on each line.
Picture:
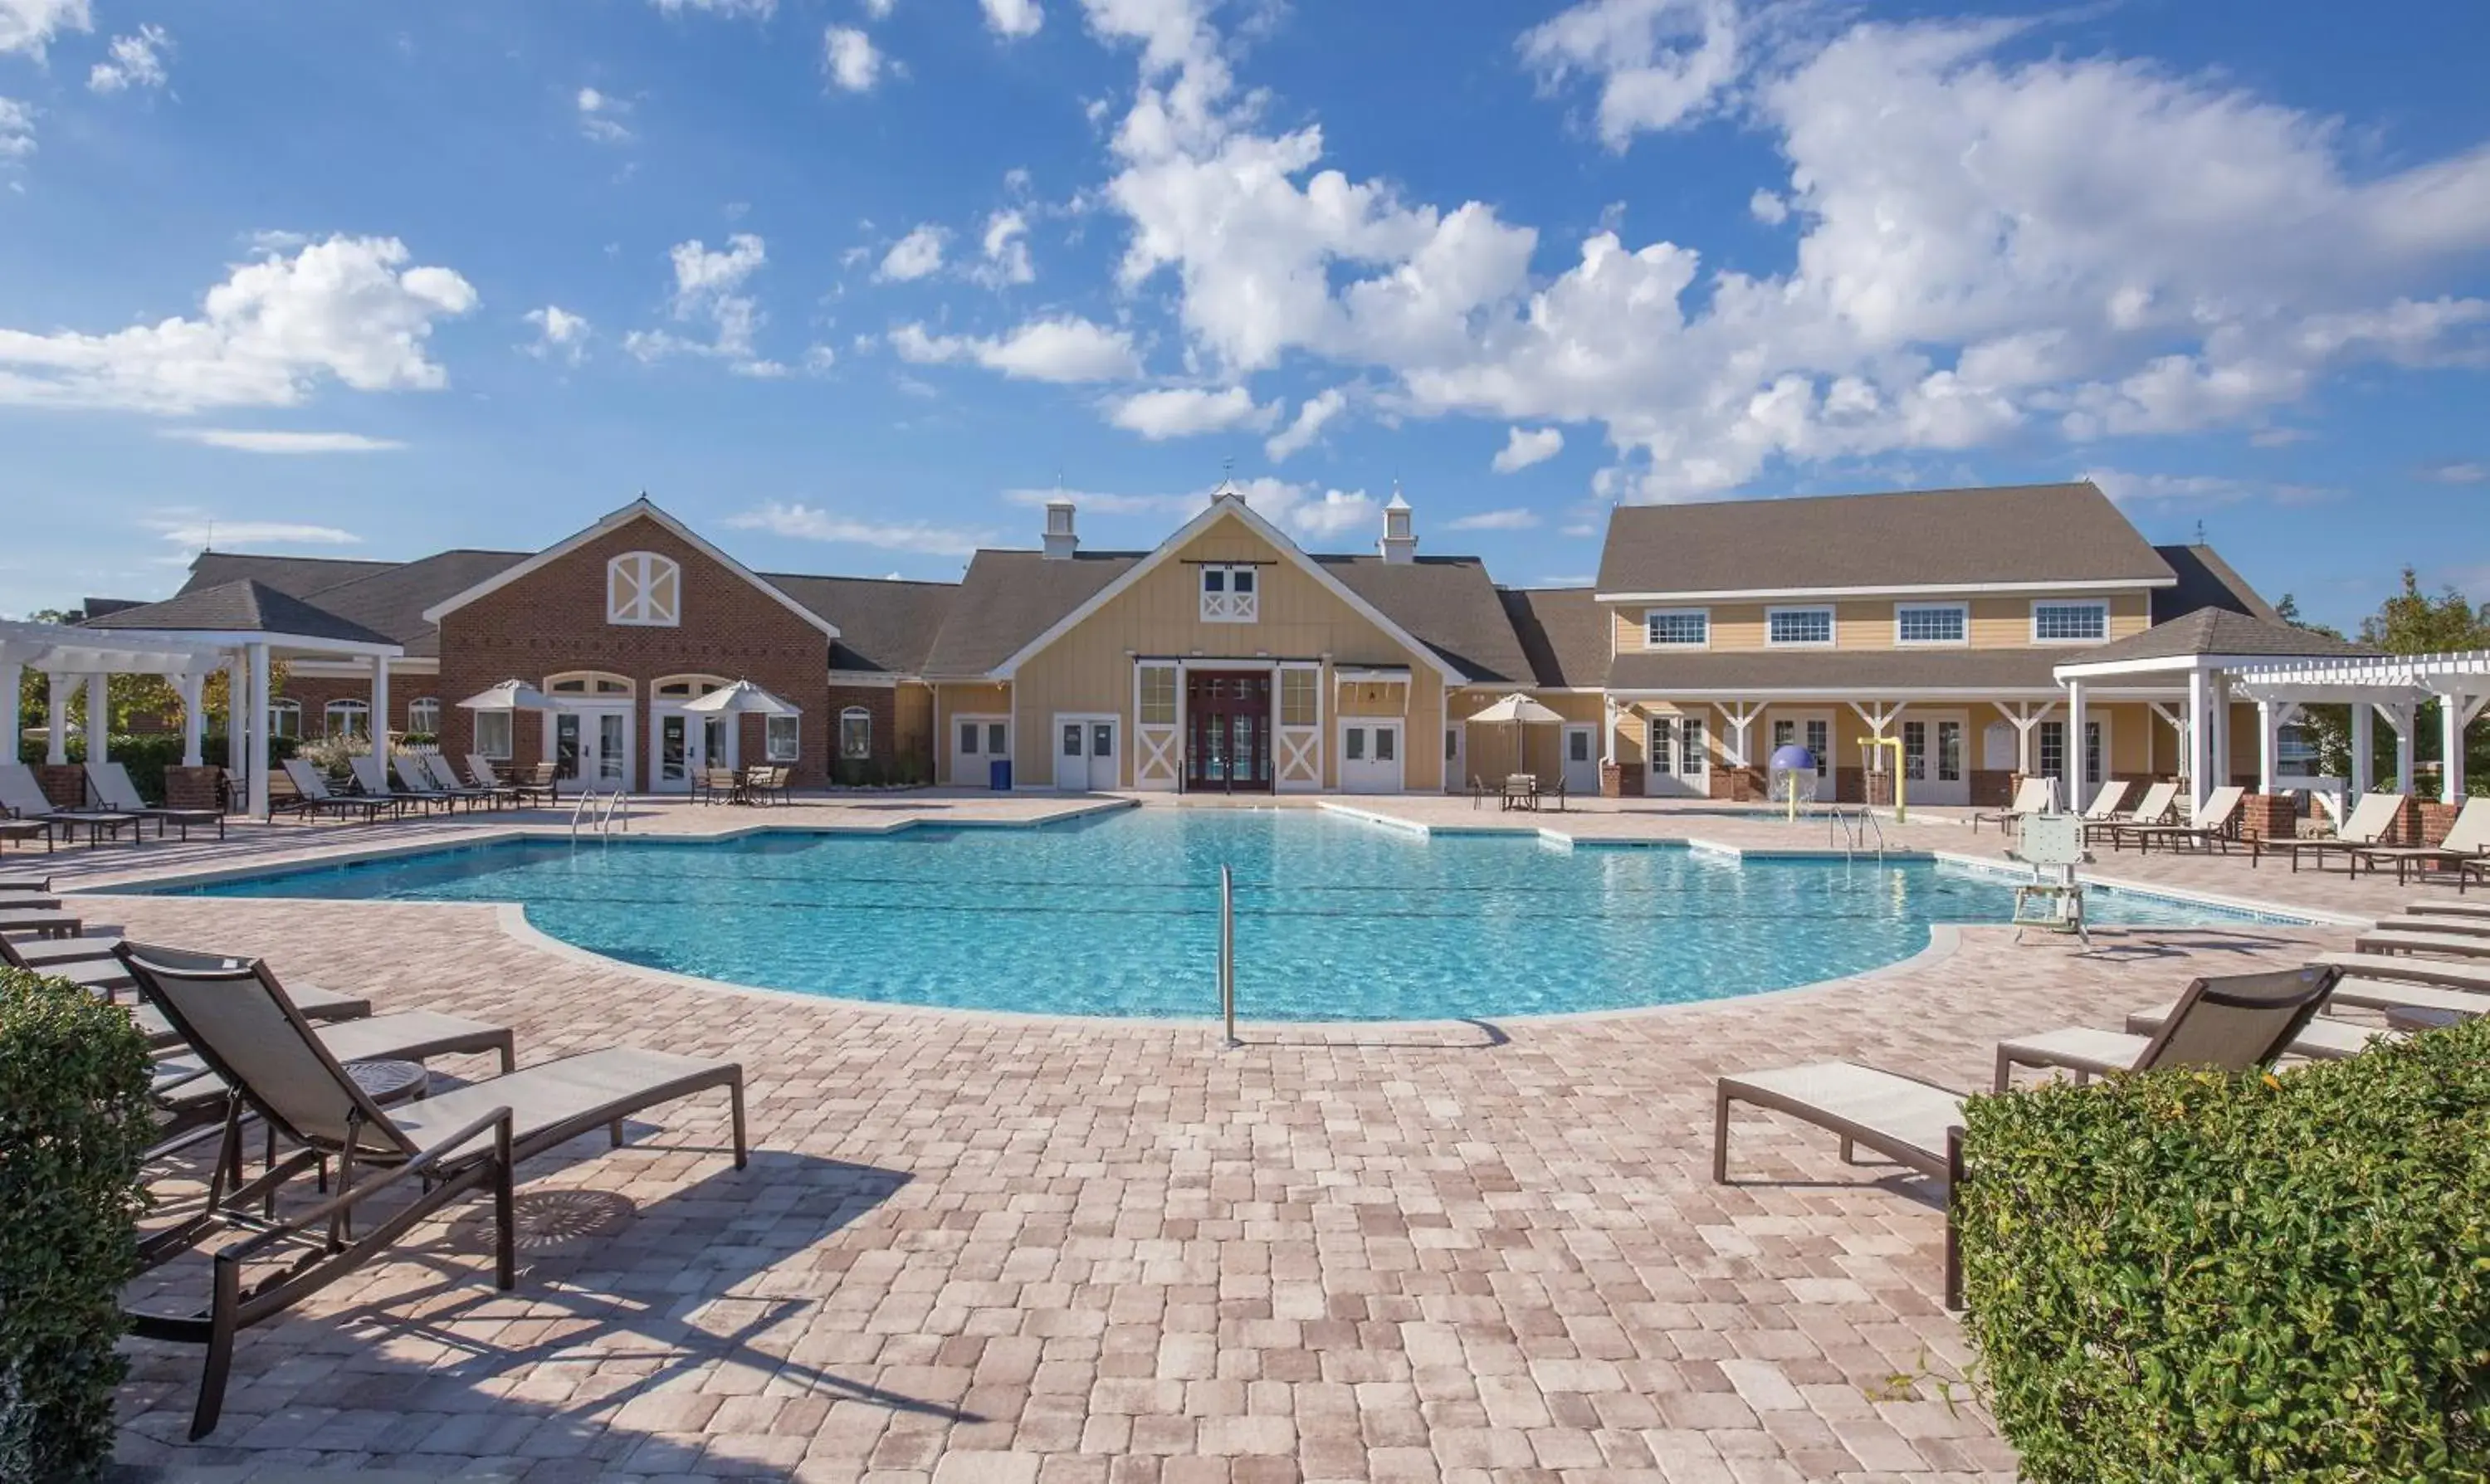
x,y
109,782
2370,819
416,772
2153,808
312,795
2467,845
2032,796
520,789
22,797
2211,826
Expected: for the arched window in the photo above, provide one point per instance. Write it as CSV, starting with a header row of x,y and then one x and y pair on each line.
x,y
347,718
423,715
856,733
588,683
687,688
284,718
644,589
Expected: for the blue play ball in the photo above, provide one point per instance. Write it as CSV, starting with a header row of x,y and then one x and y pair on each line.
x,y
1793,759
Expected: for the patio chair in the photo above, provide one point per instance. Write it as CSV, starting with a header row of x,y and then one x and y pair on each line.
x,y
2107,799
25,799
2236,1022
312,796
2368,825
412,790
248,1031
2153,808
2032,796
2467,842
521,790
2212,826
434,769
2089,1052
717,785
766,784
109,782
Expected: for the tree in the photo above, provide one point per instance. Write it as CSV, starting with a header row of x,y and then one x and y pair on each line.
x,y
126,696
2410,622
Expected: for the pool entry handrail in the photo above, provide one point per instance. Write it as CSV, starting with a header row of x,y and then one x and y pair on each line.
x,y
1228,951
607,812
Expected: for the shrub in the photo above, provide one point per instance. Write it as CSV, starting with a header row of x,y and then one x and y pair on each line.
x,y
147,755
73,1123
2187,1275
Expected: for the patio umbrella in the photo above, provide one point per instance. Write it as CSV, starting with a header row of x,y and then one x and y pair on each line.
x,y
510,696
1517,708
740,699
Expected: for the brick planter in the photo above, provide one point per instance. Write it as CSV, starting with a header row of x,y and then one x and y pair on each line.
x,y
1737,785
193,788
2269,817
64,784
2432,819
1620,780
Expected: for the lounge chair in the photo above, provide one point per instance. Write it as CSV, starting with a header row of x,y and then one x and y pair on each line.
x,y
2375,815
2474,911
40,916
109,782
248,1031
192,1096
25,829
372,778
312,795
92,963
2397,940
2471,977
23,798
2212,826
2421,921
521,790
2467,842
423,772
2235,1022
2153,808
2032,796
2107,799
490,794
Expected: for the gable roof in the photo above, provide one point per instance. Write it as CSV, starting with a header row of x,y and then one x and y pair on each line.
x,y
1564,631
1448,604
1224,505
2218,631
1008,598
301,576
2030,535
885,626
2206,581
246,606
642,509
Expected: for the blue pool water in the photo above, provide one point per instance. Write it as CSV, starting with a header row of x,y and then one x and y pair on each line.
x,y
1119,916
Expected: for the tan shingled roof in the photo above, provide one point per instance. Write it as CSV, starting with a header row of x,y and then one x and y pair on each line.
x,y
1563,631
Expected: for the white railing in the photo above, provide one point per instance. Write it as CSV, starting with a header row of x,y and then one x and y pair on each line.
x,y
604,812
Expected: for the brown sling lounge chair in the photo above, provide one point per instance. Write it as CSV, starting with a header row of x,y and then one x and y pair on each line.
x,y
2235,1022
246,1031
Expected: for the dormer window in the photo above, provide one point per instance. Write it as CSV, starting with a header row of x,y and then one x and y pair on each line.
x,y
644,589
1228,594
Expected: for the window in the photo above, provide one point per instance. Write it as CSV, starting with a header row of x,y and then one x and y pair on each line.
x,y
1386,741
1799,628
1158,696
284,718
779,737
1931,624
969,732
423,715
644,589
856,733
1355,749
2295,754
2070,622
688,685
588,684
997,739
1691,759
1452,744
493,735
1228,594
1297,695
347,718
1676,628
2050,755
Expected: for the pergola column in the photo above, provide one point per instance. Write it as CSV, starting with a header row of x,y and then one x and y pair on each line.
x,y
56,703
2400,717
237,715
12,721
256,749
2457,710
99,717
2075,770
194,717
2364,735
380,707
2270,718
2198,734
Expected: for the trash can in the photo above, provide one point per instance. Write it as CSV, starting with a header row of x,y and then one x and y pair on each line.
x,y
999,775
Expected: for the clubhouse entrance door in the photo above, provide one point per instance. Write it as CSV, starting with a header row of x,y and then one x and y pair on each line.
x,y
1227,731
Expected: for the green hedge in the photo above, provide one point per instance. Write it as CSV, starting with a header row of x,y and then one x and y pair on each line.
x,y
147,755
2187,1276
73,1123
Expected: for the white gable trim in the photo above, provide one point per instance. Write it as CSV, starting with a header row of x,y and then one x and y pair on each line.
x,y
642,509
1253,521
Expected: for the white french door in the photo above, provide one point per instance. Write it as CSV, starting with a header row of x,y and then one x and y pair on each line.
x,y
1934,768
1676,763
1369,756
1087,757
1813,731
682,743
591,746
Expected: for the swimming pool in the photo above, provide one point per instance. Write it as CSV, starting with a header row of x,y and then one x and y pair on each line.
x,y
1336,919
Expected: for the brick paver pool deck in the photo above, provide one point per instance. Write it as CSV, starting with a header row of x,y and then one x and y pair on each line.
x,y
977,1248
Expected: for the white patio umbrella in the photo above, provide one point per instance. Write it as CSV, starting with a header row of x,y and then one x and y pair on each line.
x,y
510,696
741,699
1517,708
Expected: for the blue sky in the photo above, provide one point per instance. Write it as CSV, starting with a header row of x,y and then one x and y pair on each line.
x,y
845,282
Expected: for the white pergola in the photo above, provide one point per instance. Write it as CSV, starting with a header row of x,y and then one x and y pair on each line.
x,y
2385,687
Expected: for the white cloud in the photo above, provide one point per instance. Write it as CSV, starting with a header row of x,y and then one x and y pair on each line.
x,y
757,9
2463,472
1065,348
1183,412
707,290
1768,206
1005,248
17,130
1313,414
1660,63
1525,446
916,255
879,10
1302,509
29,25
2128,489
258,441
602,116
560,333
848,59
133,62
1013,20
276,327
810,523
1516,518
195,529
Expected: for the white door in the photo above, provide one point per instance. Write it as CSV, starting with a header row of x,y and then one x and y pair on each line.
x,y
1369,756
682,743
1813,731
591,749
977,741
1677,764
1085,755
1581,758
1934,768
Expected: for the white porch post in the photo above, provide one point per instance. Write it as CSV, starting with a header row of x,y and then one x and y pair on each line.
x,y
2269,746
56,702
1608,731
2076,795
381,708
98,717
12,721
194,718
236,709
2364,745
257,746
1742,716
2402,719
2456,710
2197,735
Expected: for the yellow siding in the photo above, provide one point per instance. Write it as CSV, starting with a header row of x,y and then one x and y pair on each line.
x,y
1488,748
1867,624
1090,669
958,700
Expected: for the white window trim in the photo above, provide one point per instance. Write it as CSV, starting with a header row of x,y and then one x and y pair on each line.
x,y
1831,628
2098,605
648,566
1227,606
1932,644
854,714
769,751
433,702
1649,614
508,739
346,706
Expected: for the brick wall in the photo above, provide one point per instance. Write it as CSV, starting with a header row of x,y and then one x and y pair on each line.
x,y
1737,785
2269,817
553,619
881,704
